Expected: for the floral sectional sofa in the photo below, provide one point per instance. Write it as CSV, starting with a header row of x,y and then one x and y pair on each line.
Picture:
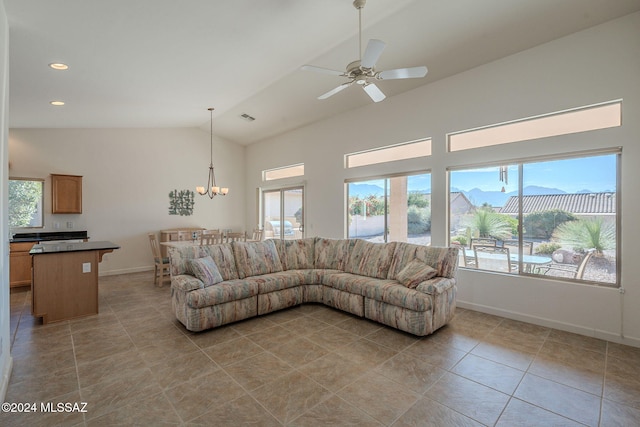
x,y
409,287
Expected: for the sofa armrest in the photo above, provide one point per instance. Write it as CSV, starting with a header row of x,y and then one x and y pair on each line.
x,y
186,283
436,286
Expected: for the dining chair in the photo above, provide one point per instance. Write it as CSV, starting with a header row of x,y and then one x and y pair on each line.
x,y
210,237
236,237
256,236
494,258
161,264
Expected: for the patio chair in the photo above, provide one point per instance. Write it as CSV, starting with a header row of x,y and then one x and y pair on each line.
x,y
483,241
575,271
498,258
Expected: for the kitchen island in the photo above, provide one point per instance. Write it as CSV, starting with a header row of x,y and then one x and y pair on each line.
x,y
65,279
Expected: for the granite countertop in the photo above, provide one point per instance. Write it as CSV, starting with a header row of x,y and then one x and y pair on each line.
x,y
52,248
48,235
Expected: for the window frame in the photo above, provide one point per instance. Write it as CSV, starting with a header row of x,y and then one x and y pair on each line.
x,y
520,163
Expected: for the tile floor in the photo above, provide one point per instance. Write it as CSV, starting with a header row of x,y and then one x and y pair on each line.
x,y
310,365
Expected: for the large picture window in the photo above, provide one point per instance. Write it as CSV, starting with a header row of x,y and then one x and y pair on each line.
x,y
553,218
395,208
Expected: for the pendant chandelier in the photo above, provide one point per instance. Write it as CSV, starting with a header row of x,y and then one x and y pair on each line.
x,y
212,189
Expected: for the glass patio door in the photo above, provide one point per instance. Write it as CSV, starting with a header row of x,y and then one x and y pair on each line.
x,y
283,213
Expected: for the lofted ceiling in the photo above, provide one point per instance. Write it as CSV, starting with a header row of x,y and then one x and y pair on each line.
x,y
162,63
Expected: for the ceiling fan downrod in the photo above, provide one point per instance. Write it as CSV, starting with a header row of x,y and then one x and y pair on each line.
x,y
359,4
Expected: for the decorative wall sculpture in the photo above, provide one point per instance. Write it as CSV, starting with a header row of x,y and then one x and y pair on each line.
x,y
181,202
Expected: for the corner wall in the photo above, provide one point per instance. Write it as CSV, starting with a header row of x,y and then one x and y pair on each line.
x,y
595,65
5,333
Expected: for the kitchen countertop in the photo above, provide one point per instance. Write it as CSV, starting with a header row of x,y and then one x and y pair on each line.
x,y
52,248
48,235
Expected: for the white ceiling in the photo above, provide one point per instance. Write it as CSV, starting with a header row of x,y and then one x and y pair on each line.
x,y
162,63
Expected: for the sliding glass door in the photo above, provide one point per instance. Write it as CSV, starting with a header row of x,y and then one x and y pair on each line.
x,y
283,213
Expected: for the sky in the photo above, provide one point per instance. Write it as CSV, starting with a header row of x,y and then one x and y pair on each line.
x,y
596,173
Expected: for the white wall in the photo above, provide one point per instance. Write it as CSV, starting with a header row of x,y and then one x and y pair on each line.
x,y
592,66
128,174
5,334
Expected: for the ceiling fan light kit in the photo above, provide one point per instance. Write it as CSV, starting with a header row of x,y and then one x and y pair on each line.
x,y
362,71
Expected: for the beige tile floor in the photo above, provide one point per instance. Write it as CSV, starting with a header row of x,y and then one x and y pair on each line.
x,y
133,364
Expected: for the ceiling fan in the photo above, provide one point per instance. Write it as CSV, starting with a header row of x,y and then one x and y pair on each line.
x,y
362,71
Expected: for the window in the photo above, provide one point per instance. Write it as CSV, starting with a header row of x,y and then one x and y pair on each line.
x,y
283,172
579,120
26,202
395,208
407,150
551,217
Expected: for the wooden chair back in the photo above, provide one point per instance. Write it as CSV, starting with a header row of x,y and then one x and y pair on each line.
x,y
161,265
236,237
210,237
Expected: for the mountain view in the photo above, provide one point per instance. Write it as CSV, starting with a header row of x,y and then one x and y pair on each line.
x,y
477,196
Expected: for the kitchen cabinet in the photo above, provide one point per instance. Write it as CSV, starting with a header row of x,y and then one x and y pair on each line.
x,y
20,264
66,194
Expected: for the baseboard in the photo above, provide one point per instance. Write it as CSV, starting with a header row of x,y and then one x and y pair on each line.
x,y
6,376
550,323
125,271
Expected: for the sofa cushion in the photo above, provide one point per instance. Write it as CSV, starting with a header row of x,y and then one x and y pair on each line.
x,y
230,290
256,258
297,254
414,273
222,255
444,260
370,259
206,270
277,281
332,253
354,283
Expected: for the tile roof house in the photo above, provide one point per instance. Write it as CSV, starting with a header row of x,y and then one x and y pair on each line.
x,y
577,203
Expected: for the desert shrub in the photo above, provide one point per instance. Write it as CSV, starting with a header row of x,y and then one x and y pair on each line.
x,y
418,220
542,224
547,248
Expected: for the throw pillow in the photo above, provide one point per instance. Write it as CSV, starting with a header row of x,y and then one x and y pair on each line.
x,y
415,272
206,270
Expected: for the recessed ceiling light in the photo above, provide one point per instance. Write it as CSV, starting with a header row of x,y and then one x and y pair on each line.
x,y
57,103
59,66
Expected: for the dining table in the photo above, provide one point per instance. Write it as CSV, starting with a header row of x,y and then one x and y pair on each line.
x,y
529,262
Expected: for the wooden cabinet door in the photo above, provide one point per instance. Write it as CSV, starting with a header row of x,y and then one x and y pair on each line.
x,y
20,264
66,191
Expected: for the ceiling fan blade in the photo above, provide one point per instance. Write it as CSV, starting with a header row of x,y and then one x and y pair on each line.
x,y
335,90
374,93
322,70
372,53
403,73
